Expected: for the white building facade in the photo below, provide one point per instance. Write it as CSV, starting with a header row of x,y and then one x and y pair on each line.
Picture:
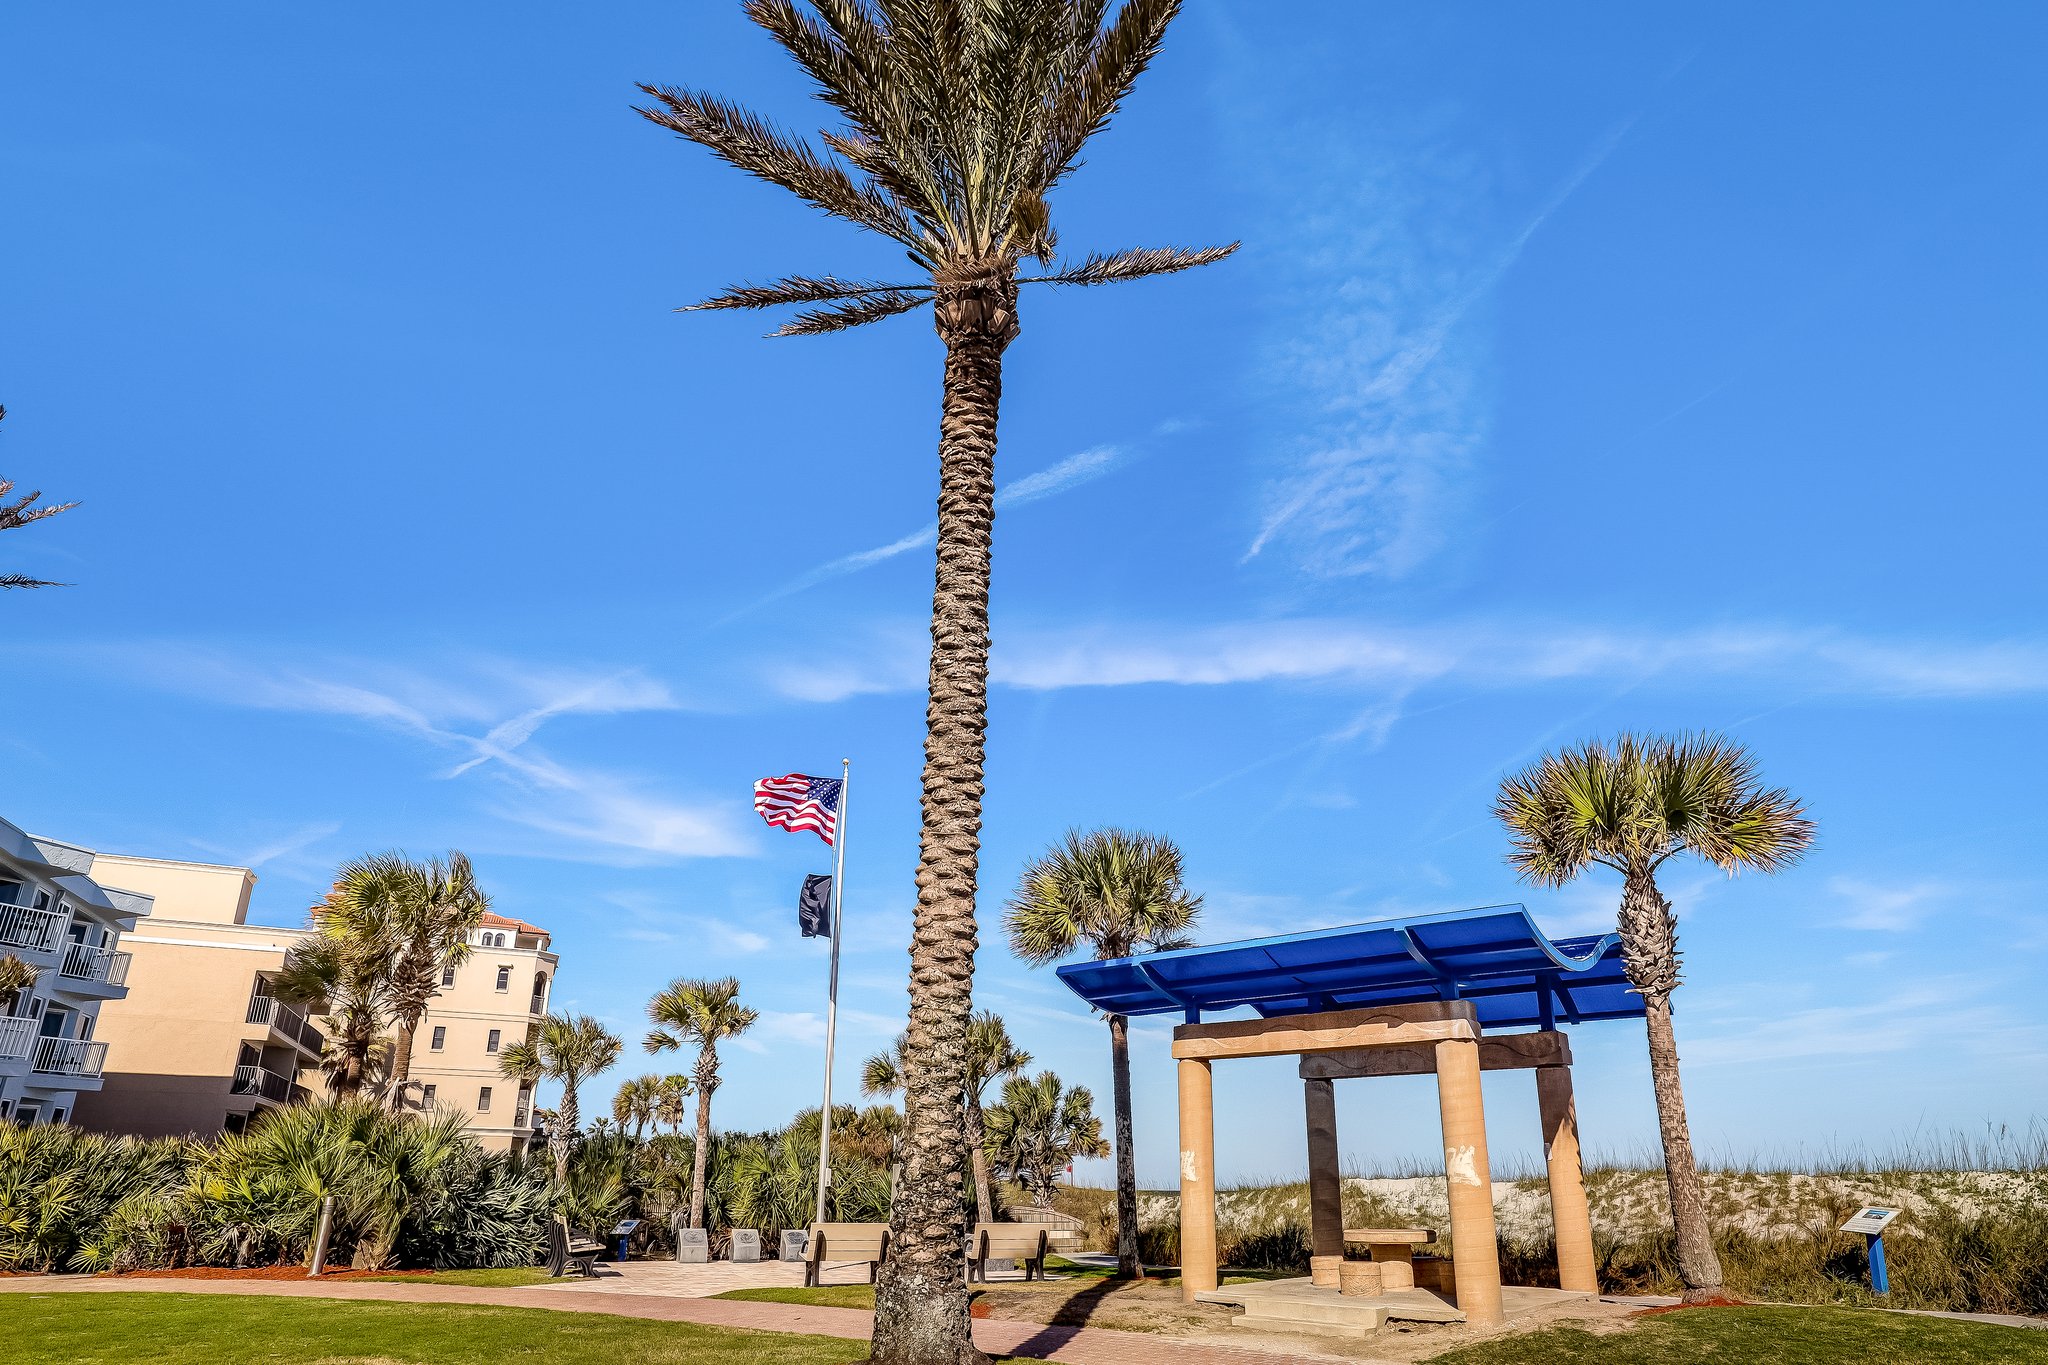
x,y
67,927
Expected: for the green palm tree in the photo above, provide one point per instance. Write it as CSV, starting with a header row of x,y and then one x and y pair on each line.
x,y
1632,805
345,979
17,978
668,1102
1039,1128
1113,892
704,1013
19,513
569,1049
417,917
636,1103
959,121
991,1055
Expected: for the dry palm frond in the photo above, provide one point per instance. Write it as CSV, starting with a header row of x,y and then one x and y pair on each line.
x,y
1133,265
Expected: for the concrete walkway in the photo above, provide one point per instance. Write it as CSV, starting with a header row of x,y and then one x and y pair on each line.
x,y
1073,1345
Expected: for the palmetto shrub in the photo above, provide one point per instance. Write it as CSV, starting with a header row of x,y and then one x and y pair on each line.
x,y
59,1186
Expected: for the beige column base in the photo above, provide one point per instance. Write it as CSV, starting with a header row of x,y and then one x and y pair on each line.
x,y
1322,1271
1197,1179
1569,1213
1475,1244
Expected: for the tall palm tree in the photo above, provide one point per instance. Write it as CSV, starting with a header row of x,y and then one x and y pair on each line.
x,y
704,1013
19,513
569,1049
1113,892
668,1102
1632,805
959,121
418,917
991,1055
17,978
1040,1127
345,979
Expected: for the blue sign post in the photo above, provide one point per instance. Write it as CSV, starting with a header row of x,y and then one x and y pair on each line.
x,y
623,1232
1871,1222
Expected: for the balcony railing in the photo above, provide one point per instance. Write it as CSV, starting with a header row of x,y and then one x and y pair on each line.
x,y
268,1009
17,1036
70,1057
261,1080
23,926
83,962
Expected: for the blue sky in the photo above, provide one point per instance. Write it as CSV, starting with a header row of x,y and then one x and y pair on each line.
x,y
1585,368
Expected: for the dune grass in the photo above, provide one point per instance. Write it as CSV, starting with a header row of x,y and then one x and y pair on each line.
x,y
1768,1336
221,1329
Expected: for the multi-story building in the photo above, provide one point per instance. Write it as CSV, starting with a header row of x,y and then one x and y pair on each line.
x,y
203,1043
57,917
200,1045
494,999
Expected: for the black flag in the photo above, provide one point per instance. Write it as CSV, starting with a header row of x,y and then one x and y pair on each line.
x,y
814,907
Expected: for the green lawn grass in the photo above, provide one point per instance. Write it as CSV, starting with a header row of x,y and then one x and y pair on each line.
x,y
826,1295
213,1329
500,1277
1769,1336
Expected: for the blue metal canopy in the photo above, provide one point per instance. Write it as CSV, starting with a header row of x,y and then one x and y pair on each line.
x,y
1495,957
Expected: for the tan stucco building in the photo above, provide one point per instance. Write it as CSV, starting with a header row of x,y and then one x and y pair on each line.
x,y
59,919
200,1044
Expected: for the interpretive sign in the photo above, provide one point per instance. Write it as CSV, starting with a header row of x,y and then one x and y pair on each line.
x,y
746,1245
795,1242
693,1246
1871,1221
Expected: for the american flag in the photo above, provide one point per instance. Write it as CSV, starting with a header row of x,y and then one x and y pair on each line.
x,y
796,802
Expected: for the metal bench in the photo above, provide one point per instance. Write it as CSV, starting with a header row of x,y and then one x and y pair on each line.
x,y
845,1244
1023,1242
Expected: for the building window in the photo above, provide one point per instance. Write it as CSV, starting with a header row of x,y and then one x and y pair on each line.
x,y
234,1123
504,978
448,975
491,1043
540,991
427,1096
483,1100
440,1037
6,1108
56,1116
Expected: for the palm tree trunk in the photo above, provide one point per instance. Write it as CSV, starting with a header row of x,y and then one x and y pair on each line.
x,y
921,1300
697,1158
568,1117
401,1060
1127,1265
977,1136
1649,951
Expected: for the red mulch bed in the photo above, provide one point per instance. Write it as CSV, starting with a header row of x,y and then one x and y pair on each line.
x,y
1704,1303
261,1272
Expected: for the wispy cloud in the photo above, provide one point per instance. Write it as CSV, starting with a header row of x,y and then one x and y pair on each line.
x,y
1874,1024
1386,279
1889,909
1486,654
1072,472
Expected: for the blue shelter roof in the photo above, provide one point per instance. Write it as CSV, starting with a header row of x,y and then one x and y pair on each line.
x,y
1495,957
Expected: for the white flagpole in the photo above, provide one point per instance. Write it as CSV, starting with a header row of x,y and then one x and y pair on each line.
x,y
832,988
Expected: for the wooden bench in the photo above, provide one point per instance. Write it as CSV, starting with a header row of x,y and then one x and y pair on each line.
x,y
845,1244
1394,1250
567,1252
1024,1242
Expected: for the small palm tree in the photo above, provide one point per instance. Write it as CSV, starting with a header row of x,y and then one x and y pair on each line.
x,y
569,1049
1113,892
19,513
636,1103
17,978
991,1055
1038,1130
1631,806
704,1013
959,121
417,918
345,979
668,1102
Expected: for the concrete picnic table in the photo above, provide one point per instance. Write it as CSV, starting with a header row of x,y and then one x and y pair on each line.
x,y
1393,1250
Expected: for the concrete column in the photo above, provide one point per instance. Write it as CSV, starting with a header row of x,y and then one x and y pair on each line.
x,y
1325,1180
1475,1247
1569,1213
1197,1179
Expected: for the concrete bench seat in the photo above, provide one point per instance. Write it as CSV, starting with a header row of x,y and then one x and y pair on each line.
x,y
1025,1242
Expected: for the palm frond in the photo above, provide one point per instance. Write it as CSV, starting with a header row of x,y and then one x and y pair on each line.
x,y
1115,60
1119,266
797,289
858,313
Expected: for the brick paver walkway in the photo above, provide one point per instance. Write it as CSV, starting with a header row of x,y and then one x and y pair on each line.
x,y
1072,1345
